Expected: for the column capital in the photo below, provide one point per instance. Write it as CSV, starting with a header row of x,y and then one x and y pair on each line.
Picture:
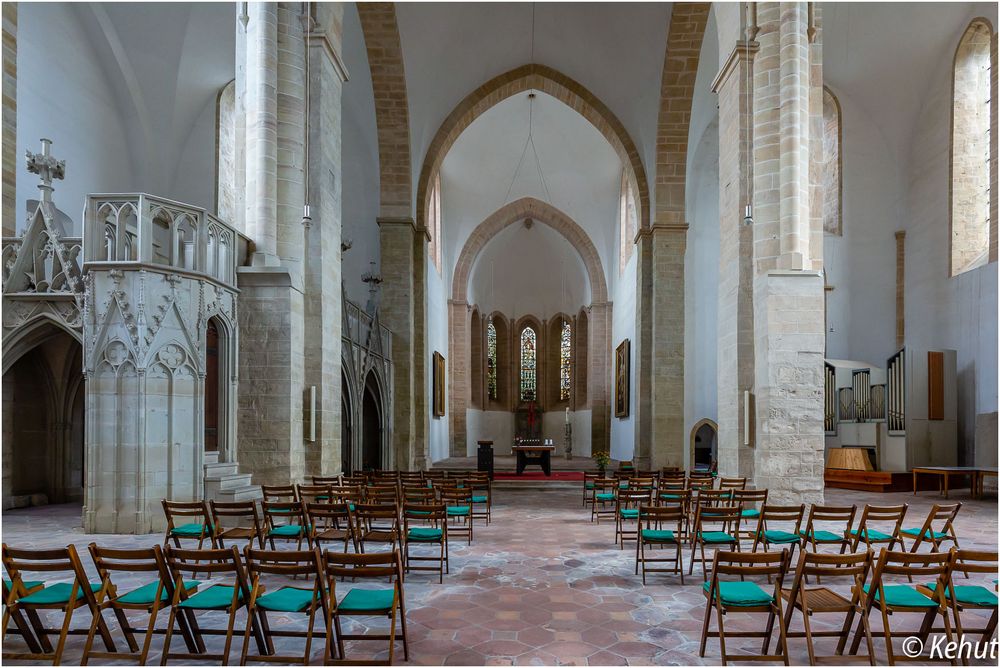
x,y
662,227
743,51
321,40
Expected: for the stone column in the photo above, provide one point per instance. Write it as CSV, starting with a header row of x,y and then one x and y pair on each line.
x,y
788,287
459,378
735,314
900,288
601,368
261,109
9,118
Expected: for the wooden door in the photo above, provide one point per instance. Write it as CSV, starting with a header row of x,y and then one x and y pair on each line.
x,y
212,388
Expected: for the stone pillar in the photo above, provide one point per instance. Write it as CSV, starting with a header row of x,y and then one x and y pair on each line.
x,y
459,380
9,118
735,314
322,268
261,108
900,288
788,289
660,439
601,368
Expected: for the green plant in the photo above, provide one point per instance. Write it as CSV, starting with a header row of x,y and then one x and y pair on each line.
x,y
602,459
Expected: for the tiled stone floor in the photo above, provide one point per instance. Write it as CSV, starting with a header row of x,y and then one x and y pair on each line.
x,y
541,585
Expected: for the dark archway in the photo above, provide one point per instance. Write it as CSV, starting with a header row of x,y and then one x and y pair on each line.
x,y
346,427
212,387
371,425
705,443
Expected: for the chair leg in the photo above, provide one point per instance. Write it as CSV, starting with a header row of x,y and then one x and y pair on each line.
x,y
147,641
169,635
705,625
61,645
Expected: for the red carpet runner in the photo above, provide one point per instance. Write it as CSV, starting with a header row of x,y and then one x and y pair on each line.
x,y
561,476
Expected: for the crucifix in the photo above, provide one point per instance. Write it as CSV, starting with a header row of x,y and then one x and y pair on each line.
x,y
47,168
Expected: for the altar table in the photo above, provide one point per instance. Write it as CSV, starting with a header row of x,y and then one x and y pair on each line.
x,y
534,454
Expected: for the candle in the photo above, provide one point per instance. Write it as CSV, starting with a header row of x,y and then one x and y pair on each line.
x,y
567,415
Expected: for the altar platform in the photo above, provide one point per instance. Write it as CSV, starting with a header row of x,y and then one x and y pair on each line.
x,y
508,463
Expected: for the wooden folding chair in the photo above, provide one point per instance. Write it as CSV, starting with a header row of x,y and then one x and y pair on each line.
x,y
245,518
195,524
588,486
732,483
432,475
603,499
313,493
382,493
820,522
482,496
651,533
750,501
285,521
788,517
940,517
749,597
326,480
331,523
627,511
970,596
417,494
698,482
384,602
725,519
458,502
386,476
432,529
65,597
378,523
19,617
810,601
883,516
279,492
893,599
229,597
412,478
150,598
285,600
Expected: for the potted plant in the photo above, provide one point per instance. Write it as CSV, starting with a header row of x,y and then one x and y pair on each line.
x,y
603,460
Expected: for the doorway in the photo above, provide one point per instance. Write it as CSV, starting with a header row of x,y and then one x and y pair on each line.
x,y
704,444
346,442
212,387
371,419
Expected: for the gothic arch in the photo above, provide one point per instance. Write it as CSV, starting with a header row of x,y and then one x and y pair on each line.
x,y
680,68
392,115
704,422
31,334
544,213
552,82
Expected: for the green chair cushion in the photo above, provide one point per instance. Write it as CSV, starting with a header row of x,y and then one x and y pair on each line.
x,y
288,531
822,536
623,485
286,599
605,496
904,596
145,594
479,499
28,584
716,537
417,513
970,595
193,530
658,536
424,533
938,535
630,513
873,535
216,597
588,485
750,512
280,511
459,510
367,600
672,497
780,537
747,594
57,593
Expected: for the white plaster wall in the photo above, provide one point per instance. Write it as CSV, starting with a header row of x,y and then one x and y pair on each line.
x,y
64,95
437,340
496,426
623,327
359,161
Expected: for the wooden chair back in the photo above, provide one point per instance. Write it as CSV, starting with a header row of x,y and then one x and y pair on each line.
x,y
700,483
326,480
842,516
924,565
651,517
751,565
975,561
279,492
750,498
279,513
188,512
369,565
411,477
382,494
713,497
883,517
434,513
313,493
236,519
290,563
455,496
940,520
732,483
637,482
725,515
789,516
336,514
347,493
417,494
210,563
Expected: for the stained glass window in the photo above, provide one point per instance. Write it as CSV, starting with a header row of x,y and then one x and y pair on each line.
x,y
491,361
565,354
528,364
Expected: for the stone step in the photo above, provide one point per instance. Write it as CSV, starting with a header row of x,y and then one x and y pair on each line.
x,y
221,469
227,481
211,457
242,493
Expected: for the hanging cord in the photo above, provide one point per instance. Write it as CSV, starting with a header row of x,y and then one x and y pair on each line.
x,y
748,212
307,32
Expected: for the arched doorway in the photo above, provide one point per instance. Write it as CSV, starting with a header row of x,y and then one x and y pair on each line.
x,y
212,387
704,444
371,425
346,427
43,420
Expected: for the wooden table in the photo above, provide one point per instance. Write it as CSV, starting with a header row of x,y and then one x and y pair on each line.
x,y
534,454
975,473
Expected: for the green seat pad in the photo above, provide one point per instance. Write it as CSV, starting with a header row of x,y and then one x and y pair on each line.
x,y
459,510
670,496
605,496
588,485
216,597
417,513
145,594
873,535
746,594
286,599
750,512
630,513
904,596
623,485
938,535
288,531
192,530
716,537
28,584
367,600
280,511
823,536
658,536
57,593
970,595
479,499
424,533
780,537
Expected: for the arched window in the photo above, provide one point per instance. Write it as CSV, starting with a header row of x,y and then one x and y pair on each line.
x,y
434,222
626,222
973,220
491,361
565,360
831,168
529,364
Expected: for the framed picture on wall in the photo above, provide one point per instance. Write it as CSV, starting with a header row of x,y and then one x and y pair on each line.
x,y
438,384
622,370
